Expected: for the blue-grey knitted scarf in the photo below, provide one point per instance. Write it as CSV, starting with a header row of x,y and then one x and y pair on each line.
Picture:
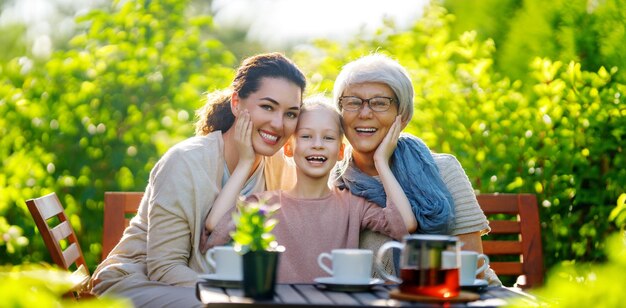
x,y
414,167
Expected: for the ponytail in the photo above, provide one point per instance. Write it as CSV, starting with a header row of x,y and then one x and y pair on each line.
x,y
215,114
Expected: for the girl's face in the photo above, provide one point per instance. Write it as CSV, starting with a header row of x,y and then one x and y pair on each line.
x,y
366,129
274,111
317,145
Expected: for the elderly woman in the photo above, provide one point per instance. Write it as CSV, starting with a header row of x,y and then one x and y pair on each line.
x,y
371,92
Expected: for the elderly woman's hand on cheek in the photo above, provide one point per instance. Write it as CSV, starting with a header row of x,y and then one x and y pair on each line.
x,y
388,145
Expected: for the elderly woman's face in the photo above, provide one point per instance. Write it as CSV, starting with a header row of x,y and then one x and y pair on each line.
x,y
365,128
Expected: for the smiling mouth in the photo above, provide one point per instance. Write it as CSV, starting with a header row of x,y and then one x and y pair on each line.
x,y
366,130
268,138
316,159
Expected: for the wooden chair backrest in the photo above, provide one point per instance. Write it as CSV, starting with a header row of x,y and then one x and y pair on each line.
x,y
508,214
47,211
515,231
117,207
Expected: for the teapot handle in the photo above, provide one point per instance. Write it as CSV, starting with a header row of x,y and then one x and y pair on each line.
x,y
379,257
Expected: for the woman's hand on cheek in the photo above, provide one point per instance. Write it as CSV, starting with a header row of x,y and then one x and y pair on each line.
x,y
243,138
388,145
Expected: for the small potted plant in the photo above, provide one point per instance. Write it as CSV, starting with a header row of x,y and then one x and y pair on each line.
x,y
254,240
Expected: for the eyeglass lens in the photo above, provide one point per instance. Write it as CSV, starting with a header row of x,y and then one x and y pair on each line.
x,y
353,103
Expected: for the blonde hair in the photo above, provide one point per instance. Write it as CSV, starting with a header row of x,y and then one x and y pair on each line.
x,y
319,101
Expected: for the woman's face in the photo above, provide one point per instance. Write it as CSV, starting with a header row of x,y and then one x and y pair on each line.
x,y
274,111
365,129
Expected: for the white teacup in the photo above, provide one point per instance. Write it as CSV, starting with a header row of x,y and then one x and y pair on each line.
x,y
226,262
350,266
468,266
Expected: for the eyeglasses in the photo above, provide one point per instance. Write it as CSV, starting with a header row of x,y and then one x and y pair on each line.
x,y
377,104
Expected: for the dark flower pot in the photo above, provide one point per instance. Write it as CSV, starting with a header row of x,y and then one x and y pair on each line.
x,y
259,274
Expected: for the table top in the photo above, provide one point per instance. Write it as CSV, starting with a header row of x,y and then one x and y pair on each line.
x,y
307,295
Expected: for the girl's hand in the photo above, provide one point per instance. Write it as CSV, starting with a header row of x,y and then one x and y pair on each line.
x,y
388,145
243,138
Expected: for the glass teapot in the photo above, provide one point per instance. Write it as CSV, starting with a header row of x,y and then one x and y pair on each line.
x,y
429,265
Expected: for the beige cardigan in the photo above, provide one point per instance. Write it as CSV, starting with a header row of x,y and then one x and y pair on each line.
x,y
162,241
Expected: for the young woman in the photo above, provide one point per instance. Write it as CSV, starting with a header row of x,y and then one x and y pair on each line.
x,y
371,92
158,258
314,218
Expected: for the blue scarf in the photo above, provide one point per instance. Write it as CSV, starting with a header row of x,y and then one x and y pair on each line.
x,y
414,167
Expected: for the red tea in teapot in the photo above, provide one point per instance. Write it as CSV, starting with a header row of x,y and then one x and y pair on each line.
x,y
441,283
423,270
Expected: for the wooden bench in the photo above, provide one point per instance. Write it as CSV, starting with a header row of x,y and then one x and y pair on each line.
x,y
119,208
514,244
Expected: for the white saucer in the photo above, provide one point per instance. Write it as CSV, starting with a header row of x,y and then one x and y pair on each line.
x,y
331,284
217,281
479,285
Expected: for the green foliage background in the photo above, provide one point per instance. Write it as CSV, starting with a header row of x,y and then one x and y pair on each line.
x,y
96,116
562,136
589,32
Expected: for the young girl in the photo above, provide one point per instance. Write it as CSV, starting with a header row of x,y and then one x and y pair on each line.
x,y
313,218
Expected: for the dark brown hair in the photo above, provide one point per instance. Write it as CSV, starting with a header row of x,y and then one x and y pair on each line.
x,y
216,113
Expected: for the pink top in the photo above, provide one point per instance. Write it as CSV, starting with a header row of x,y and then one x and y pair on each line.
x,y
308,227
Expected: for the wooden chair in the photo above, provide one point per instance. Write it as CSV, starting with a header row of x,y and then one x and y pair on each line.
x,y
117,207
514,244
46,211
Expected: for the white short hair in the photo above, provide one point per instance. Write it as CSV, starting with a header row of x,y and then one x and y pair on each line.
x,y
382,69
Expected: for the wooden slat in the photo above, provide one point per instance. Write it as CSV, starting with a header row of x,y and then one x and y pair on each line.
x,y
531,239
208,294
497,204
366,298
383,291
342,299
61,231
502,247
490,209
236,296
116,206
49,206
132,201
113,225
71,254
288,294
234,292
313,295
504,227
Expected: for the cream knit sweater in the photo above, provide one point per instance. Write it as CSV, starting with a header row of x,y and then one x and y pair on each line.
x,y
162,242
